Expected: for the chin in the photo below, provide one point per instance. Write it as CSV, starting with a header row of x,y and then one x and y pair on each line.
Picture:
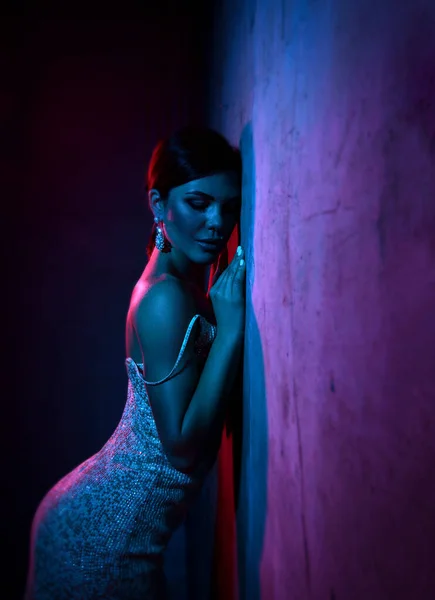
x,y
206,259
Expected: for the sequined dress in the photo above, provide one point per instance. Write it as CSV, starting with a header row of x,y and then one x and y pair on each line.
x,y
101,531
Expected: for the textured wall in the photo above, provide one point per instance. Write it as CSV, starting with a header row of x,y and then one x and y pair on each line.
x,y
333,104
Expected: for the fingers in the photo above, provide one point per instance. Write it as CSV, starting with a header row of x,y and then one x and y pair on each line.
x,y
226,276
220,266
238,268
241,274
241,268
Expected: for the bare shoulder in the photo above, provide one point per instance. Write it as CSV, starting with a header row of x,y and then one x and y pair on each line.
x,y
155,300
160,311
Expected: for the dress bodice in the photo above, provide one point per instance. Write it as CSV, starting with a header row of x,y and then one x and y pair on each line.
x,y
136,437
102,529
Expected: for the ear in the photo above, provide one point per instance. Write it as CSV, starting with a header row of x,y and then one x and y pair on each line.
x,y
155,201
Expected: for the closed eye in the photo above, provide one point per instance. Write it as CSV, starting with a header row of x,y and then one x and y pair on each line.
x,y
198,204
233,206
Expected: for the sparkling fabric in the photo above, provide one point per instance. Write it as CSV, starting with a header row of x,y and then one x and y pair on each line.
x,y
101,531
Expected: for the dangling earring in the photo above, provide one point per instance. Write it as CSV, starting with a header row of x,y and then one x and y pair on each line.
x,y
160,238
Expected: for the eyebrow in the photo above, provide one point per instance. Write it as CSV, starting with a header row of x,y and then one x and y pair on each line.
x,y
209,197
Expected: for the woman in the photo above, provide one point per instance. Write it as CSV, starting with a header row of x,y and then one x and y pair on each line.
x,y
101,531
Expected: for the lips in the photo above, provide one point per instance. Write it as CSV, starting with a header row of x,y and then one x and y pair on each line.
x,y
210,245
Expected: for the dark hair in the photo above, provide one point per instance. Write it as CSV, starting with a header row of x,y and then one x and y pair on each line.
x,y
190,153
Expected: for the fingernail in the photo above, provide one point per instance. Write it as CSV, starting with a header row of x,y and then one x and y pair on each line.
x,y
239,250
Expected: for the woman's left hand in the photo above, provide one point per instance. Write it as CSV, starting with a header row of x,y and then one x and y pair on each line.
x,y
217,268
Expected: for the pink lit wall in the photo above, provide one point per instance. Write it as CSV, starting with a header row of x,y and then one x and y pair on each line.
x,y
333,105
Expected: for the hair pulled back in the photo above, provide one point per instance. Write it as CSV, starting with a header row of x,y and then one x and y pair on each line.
x,y
190,153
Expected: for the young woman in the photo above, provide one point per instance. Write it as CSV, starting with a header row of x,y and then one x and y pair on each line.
x,y
101,531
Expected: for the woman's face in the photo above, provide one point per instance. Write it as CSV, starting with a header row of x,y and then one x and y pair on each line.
x,y
201,209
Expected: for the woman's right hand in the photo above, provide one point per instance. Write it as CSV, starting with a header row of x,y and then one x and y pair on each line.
x,y
227,295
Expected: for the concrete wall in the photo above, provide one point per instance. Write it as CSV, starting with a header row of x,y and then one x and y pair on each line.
x,y
333,104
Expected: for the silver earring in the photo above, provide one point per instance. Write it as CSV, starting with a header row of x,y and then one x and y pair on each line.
x,y
160,238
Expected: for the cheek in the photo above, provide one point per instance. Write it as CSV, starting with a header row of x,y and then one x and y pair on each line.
x,y
179,221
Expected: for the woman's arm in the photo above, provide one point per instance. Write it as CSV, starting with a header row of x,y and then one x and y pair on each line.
x,y
189,408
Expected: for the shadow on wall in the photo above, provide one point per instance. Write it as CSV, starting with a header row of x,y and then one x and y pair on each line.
x,y
251,440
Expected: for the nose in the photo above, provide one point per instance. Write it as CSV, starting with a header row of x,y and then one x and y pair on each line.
x,y
215,220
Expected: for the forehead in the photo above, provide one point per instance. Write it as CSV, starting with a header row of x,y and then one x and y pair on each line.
x,y
220,185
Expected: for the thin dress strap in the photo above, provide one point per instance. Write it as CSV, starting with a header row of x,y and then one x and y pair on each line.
x,y
186,339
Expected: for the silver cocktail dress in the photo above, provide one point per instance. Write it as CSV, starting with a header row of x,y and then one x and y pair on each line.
x,y
101,531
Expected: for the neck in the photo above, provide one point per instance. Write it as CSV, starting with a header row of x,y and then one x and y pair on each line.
x,y
179,267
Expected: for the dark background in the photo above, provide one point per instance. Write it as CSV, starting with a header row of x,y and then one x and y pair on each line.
x,y
334,104
83,102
